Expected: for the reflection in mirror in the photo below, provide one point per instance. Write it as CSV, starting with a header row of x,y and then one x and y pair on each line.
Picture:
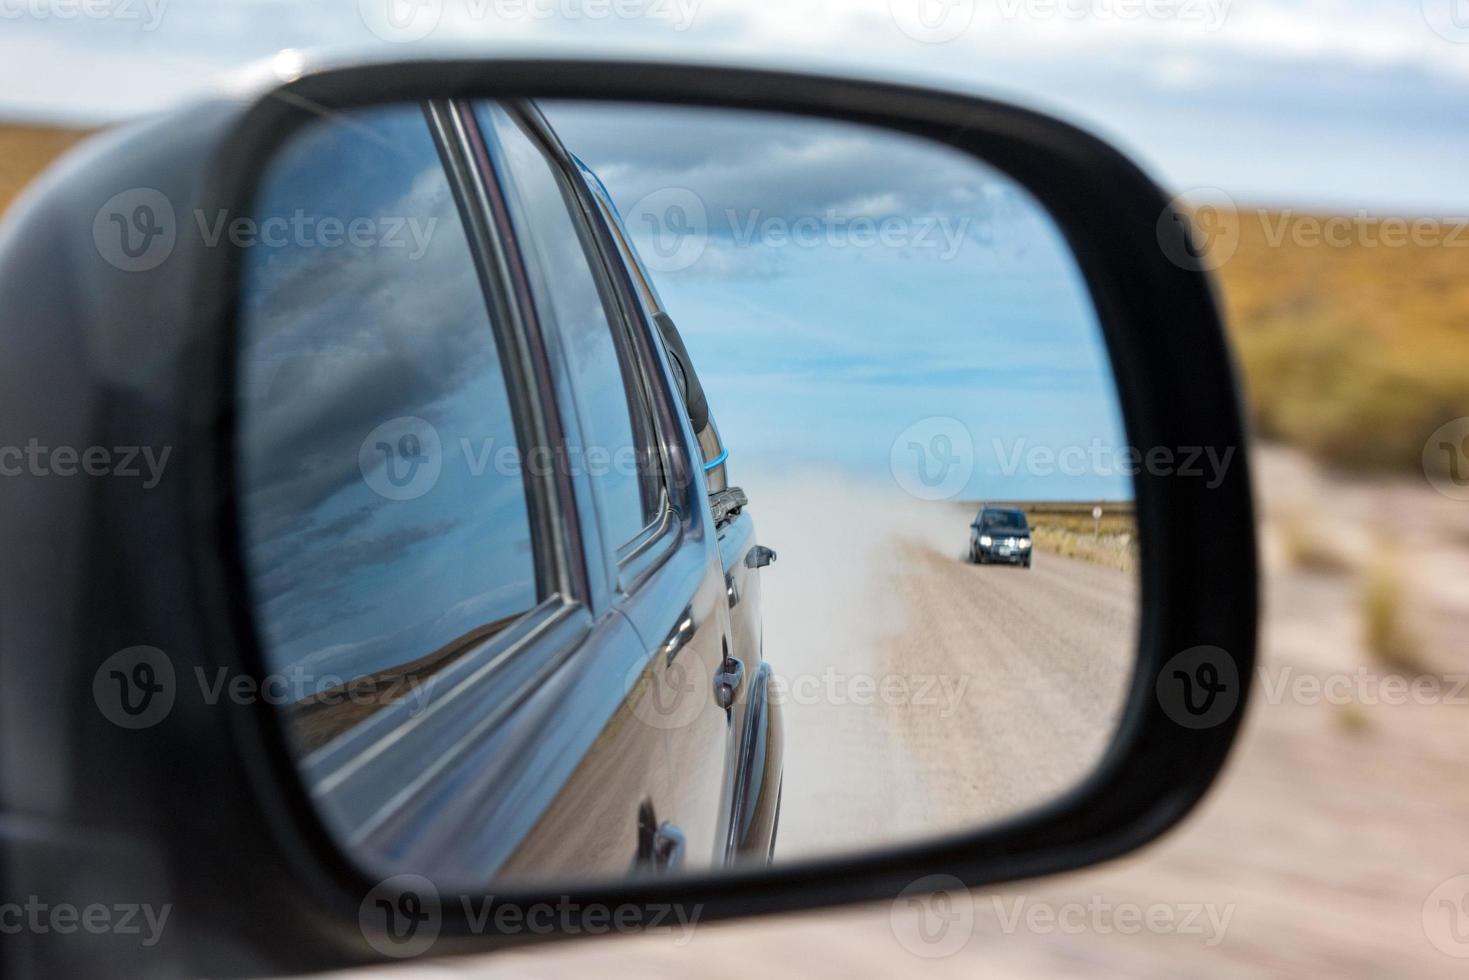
x,y
636,489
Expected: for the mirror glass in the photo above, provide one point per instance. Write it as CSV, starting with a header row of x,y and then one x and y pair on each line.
x,y
629,489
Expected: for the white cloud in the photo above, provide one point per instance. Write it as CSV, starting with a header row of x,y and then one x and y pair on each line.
x,y
1191,92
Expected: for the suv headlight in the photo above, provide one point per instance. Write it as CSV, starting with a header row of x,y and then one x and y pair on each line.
x,y
1024,543
984,539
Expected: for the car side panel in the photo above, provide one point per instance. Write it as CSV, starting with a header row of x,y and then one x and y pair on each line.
x,y
695,731
591,827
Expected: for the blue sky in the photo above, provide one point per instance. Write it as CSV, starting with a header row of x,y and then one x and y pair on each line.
x,y
1348,105
822,347
1341,103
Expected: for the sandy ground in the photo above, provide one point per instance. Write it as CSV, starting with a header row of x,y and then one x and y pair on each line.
x,y
1331,847
989,689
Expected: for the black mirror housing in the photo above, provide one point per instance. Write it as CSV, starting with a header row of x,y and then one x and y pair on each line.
x,y
211,796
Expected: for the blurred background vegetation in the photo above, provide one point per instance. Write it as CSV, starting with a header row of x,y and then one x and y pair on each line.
x,y
1354,353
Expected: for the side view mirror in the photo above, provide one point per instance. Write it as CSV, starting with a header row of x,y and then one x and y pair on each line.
x,y
424,625
683,372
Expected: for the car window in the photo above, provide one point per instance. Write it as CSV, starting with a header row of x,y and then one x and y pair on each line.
x,y
630,256
385,515
710,445
614,420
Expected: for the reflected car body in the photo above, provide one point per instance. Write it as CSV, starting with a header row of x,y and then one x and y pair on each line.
x,y
1000,534
572,635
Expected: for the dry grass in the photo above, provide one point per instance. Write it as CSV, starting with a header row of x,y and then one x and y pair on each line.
x,y
1110,550
25,151
1384,620
1068,529
1307,547
1352,718
1354,353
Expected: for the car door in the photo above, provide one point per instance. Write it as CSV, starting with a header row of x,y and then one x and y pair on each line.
x,y
738,556
647,555
667,578
413,561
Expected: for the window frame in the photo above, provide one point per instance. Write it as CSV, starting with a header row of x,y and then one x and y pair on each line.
x,y
649,302
438,730
640,555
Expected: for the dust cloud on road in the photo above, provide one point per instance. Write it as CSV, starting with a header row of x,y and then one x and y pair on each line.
x,y
922,694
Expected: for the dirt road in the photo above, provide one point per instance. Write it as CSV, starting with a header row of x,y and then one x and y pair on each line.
x,y
1325,850
923,694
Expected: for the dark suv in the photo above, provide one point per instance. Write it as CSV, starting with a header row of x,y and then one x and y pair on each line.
x,y
1000,534
480,479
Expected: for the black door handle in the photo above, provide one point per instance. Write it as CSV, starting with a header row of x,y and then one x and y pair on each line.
x,y
669,847
678,637
759,556
728,681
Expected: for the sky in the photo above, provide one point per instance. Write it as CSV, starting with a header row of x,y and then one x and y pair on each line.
x,y
864,300
1349,104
